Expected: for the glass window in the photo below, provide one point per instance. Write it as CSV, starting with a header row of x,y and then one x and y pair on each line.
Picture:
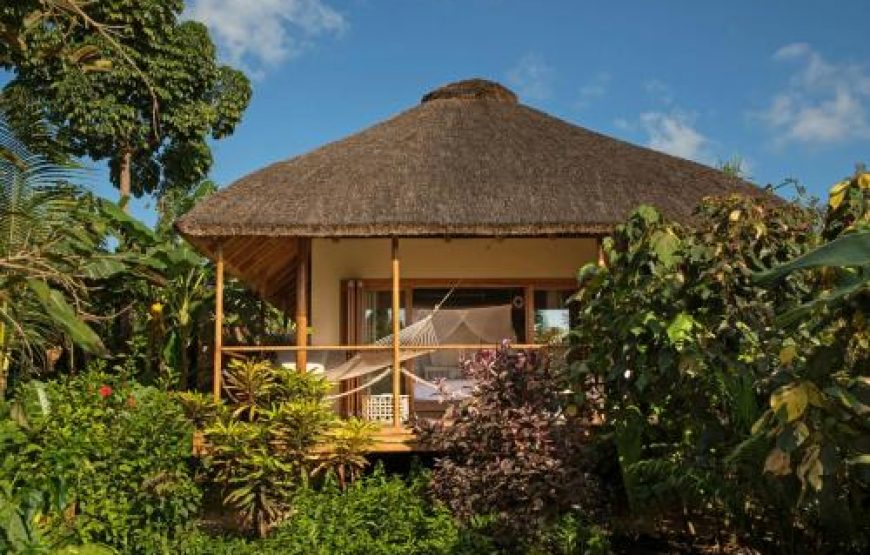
x,y
377,323
552,315
377,315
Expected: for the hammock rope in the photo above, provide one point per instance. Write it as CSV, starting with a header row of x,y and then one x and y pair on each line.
x,y
366,385
410,335
427,383
384,374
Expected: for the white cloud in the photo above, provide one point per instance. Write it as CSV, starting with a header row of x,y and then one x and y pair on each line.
x,y
261,33
592,91
531,78
674,132
823,103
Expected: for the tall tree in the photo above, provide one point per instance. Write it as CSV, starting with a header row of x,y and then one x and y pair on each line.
x,y
125,81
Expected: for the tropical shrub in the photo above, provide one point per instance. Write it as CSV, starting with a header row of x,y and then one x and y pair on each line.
x,y
200,542
345,445
688,350
262,451
510,453
817,428
573,534
199,408
21,502
121,449
373,515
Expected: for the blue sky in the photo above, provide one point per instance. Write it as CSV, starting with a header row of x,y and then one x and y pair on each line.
x,y
783,84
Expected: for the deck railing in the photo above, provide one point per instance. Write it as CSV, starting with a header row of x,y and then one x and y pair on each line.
x,y
402,405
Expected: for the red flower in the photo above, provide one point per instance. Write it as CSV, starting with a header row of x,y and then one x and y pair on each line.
x,y
105,391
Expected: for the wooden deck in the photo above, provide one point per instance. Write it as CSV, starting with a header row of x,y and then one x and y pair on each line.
x,y
387,440
396,440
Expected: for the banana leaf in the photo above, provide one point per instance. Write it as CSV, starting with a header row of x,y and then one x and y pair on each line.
x,y
851,250
59,310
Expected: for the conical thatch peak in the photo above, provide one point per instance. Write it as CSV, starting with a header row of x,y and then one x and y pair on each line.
x,y
472,89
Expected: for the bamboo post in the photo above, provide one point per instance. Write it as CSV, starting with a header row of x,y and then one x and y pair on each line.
x,y
602,259
4,356
408,297
218,323
529,295
397,374
302,304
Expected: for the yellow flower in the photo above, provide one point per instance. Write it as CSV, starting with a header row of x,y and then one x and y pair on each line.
x,y
156,308
864,180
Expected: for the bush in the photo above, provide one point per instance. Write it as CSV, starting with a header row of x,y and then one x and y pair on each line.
x,y
690,352
510,453
262,449
376,515
573,534
121,450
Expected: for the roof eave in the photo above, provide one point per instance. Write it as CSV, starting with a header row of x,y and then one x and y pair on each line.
x,y
224,229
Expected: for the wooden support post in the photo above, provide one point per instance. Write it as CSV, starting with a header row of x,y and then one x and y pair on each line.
x,y
218,323
602,259
408,297
302,304
529,295
397,374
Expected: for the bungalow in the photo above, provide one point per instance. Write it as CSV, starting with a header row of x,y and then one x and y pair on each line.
x,y
451,226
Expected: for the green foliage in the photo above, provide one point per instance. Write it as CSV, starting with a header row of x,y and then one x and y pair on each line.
x,y
573,534
817,424
263,450
845,258
848,206
374,515
143,90
199,408
344,448
123,452
23,36
38,257
251,386
52,247
680,348
167,296
19,507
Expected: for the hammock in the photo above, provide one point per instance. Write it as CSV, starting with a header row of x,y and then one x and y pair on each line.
x,y
486,326
440,388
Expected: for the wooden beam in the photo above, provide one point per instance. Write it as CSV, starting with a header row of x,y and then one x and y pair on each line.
x,y
218,324
385,284
371,347
302,304
397,372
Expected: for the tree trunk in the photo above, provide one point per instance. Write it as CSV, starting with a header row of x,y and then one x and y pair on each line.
x,y
5,356
125,184
4,361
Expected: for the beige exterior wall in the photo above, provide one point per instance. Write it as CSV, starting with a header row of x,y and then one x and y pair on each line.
x,y
333,261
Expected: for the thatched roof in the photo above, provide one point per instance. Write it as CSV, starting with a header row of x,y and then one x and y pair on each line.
x,y
468,160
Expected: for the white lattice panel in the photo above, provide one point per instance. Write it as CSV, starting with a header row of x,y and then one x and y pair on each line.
x,y
379,408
